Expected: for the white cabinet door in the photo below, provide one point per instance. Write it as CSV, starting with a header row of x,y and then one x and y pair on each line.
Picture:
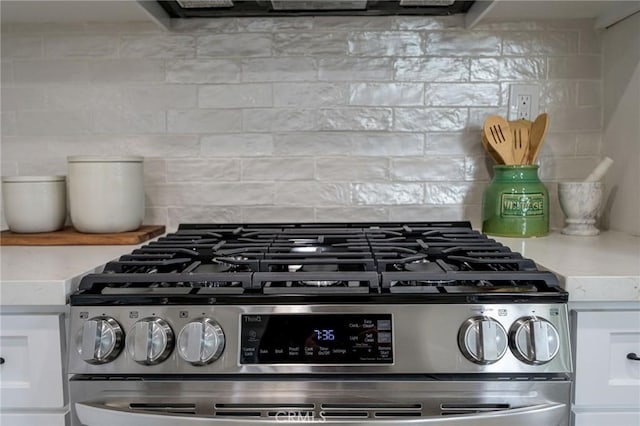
x,y
609,418
31,374
605,377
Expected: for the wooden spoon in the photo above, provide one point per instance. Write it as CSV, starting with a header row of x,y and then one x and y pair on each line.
x,y
494,155
538,131
496,130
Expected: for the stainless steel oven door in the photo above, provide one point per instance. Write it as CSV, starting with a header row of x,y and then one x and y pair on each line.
x,y
271,401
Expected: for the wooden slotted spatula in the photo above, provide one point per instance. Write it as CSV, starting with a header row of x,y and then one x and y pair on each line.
x,y
538,131
494,155
520,145
496,130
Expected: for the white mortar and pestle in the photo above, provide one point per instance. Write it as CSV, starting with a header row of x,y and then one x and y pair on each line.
x,y
581,201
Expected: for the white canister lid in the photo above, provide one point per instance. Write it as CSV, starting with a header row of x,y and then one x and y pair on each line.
x,y
104,159
21,179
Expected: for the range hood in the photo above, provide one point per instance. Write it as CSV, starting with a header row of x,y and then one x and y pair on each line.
x,y
228,8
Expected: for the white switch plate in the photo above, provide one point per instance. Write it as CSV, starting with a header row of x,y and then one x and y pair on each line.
x,y
524,101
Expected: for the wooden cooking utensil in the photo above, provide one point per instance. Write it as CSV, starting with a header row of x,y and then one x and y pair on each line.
x,y
520,145
494,155
538,131
496,130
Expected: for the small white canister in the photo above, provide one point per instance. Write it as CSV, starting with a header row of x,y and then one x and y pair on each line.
x,y
106,194
34,203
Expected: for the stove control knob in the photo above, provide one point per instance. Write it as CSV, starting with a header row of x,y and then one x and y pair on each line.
x,y
482,340
150,341
534,340
100,340
201,342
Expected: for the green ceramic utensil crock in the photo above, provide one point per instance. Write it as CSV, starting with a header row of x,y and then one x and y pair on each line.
x,y
515,203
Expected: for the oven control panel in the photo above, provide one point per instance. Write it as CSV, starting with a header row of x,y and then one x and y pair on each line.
x,y
316,339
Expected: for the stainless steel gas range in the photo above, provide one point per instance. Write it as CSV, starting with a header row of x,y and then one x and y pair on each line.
x,y
386,324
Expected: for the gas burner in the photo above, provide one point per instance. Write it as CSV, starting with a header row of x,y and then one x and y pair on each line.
x,y
425,265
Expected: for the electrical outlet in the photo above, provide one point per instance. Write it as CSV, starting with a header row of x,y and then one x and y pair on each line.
x,y
523,102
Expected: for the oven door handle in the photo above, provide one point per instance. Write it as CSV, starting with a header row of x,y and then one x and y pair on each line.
x,y
91,414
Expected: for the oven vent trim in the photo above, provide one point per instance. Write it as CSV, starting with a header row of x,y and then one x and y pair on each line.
x,y
456,409
164,407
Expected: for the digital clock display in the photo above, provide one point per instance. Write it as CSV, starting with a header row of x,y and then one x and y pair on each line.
x,y
316,339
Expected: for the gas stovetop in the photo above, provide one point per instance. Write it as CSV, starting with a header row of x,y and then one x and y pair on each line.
x,y
441,262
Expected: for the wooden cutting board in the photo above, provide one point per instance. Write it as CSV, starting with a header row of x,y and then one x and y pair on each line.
x,y
69,237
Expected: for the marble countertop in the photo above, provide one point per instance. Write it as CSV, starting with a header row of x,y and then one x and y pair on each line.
x,y
46,275
602,268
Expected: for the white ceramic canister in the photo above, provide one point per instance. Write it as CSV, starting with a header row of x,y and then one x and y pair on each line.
x,y
34,203
106,194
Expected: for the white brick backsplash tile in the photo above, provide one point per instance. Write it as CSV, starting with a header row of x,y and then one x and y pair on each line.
x,y
312,144
385,144
453,193
386,94
159,98
235,96
478,168
210,194
25,148
279,69
588,144
462,94
6,71
352,169
309,44
566,168
155,216
48,167
87,45
454,43
590,92
278,120
523,69
155,171
385,43
355,69
424,23
268,214
457,144
539,43
590,41
53,122
204,121
50,71
587,66
205,25
485,69
355,119
312,194
204,71
8,122
429,213
120,121
127,70
428,169
9,168
430,119
558,92
21,46
352,214
274,169
559,145
577,119
275,24
237,145
309,94
210,170
204,214
477,117
365,23
388,193
431,69
236,45
158,46
18,98
75,96
160,146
